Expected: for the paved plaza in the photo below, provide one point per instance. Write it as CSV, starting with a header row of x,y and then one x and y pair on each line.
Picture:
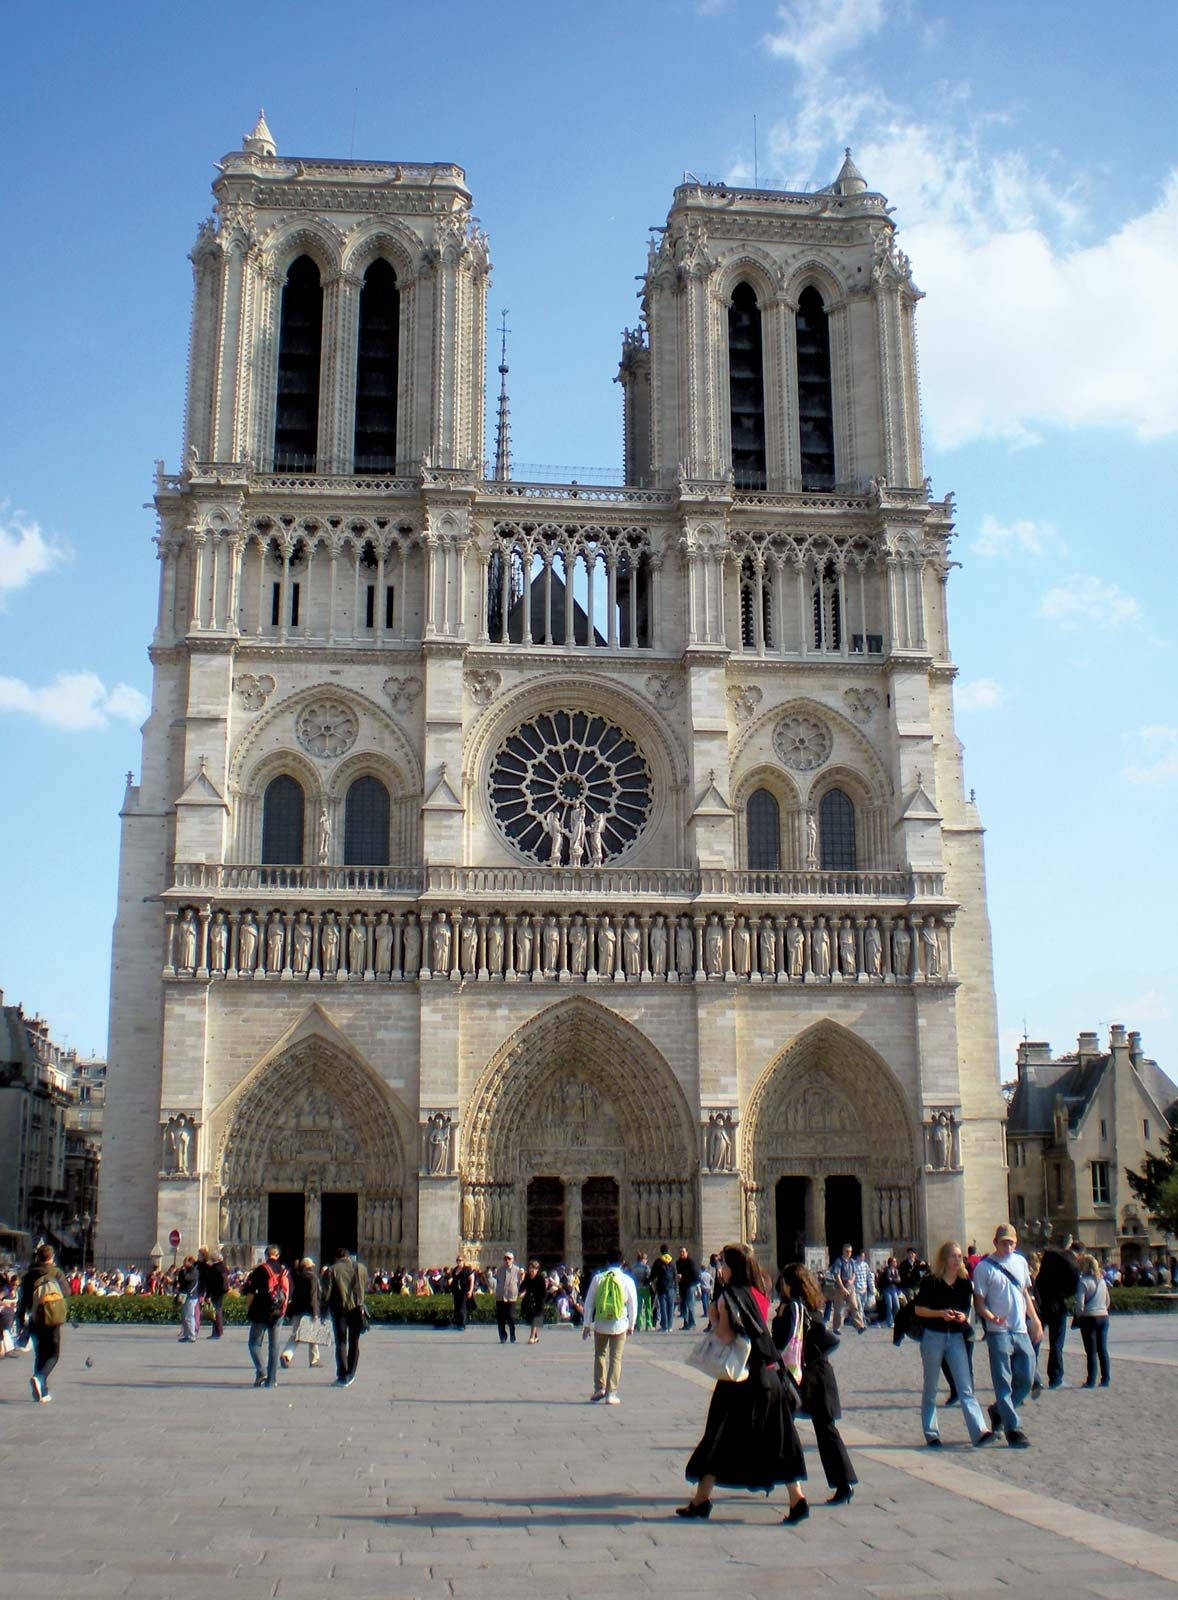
x,y
456,1467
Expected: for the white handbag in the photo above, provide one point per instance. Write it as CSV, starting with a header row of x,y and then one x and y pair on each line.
x,y
726,1362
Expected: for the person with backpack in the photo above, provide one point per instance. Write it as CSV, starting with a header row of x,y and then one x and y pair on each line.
x,y
611,1314
269,1286
43,1308
215,1288
347,1284
662,1284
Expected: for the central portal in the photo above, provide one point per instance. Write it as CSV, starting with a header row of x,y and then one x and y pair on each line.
x,y
546,1221
601,1226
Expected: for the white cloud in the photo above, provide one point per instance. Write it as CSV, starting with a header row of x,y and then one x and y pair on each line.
x,y
1085,600
75,701
982,694
24,551
1150,1006
811,33
1156,751
1023,537
1043,344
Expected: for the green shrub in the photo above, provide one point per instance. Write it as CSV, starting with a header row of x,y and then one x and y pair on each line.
x,y
1142,1300
382,1308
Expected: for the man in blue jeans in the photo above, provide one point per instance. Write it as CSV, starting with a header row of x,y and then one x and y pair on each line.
x,y
269,1288
662,1284
1002,1299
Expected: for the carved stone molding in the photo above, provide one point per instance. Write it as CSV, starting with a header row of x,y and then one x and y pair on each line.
x,y
254,691
483,685
663,688
803,742
326,728
744,698
402,692
861,703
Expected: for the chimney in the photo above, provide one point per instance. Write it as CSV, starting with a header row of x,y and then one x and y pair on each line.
x,y
1087,1046
1116,1036
1135,1051
1032,1053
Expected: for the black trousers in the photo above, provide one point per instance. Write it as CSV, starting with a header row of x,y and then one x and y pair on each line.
x,y
832,1452
460,1305
1055,1323
505,1317
46,1349
347,1325
218,1309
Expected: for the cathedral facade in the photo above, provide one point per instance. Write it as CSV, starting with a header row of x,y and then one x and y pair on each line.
x,y
548,866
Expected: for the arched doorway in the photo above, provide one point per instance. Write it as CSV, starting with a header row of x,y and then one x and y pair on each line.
x,y
829,1155
580,1141
311,1158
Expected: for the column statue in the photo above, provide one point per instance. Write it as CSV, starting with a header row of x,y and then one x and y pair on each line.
x,y
768,949
187,941
440,945
219,944
597,839
578,946
714,948
607,942
412,947
684,949
555,832
383,939
795,944
357,944
323,838
275,943
577,834
247,944
631,948
495,946
847,950
658,947
742,949
468,945
820,949
901,951
930,945
550,946
872,949
300,946
329,944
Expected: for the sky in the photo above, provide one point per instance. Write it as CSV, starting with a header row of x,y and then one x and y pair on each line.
x,y
1030,153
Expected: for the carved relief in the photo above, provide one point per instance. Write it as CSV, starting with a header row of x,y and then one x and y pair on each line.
x,y
802,742
402,691
861,703
744,700
482,685
663,688
942,1140
437,1144
326,728
719,1140
178,1140
254,691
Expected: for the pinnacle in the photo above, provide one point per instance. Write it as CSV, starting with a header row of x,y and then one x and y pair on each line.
x,y
850,180
260,142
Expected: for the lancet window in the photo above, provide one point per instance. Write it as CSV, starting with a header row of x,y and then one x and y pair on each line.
x,y
746,388
377,371
763,825
756,607
815,400
366,824
283,809
836,831
822,595
300,341
593,587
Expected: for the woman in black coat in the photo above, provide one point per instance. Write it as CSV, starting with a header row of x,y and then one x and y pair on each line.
x,y
303,1313
533,1293
806,1342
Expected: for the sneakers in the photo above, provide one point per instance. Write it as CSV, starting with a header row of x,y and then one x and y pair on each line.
x,y
37,1388
598,1394
1017,1439
612,1400
347,1382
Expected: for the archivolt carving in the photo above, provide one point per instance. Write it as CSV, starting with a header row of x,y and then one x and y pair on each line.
x,y
868,765
607,1063
397,746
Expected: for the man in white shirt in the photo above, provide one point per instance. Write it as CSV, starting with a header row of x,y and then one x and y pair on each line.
x,y
611,1312
1002,1299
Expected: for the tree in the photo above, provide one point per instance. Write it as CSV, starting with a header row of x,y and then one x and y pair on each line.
x,y
1156,1185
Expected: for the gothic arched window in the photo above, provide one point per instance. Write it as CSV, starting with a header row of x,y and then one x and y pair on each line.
x,y
366,824
376,371
753,584
815,401
282,822
300,339
836,831
763,827
746,388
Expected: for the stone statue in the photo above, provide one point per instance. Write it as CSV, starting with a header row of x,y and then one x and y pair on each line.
x,y
382,937
684,948
467,1214
300,946
555,832
183,1140
940,1141
718,1151
438,1144
187,939
329,944
795,945
169,1159
714,948
440,944
750,1214
631,949
811,840
468,946
658,947
577,834
847,950
820,949
578,946
901,951
222,1219
275,943
607,944
495,945
597,839
219,944
411,958
247,945
523,945
357,944
323,846
742,949
768,944
872,949
549,945
930,945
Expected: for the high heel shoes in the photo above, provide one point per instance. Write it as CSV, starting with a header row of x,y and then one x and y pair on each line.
x,y
703,1509
797,1513
843,1496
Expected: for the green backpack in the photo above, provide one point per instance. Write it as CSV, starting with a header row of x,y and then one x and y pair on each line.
x,y
49,1307
610,1303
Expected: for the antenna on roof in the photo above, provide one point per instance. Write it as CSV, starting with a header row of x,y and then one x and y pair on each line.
x,y
503,426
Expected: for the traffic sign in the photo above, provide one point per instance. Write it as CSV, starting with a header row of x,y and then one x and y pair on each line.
x,y
174,1238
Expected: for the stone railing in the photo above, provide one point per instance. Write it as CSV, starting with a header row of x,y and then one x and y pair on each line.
x,y
808,886
457,943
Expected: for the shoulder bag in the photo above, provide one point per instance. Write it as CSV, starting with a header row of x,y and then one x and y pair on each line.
x,y
727,1363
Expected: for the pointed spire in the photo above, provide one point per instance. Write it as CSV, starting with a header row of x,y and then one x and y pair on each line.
x,y
261,141
503,426
850,180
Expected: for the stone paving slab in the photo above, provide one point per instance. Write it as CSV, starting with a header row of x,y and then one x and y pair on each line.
x,y
456,1468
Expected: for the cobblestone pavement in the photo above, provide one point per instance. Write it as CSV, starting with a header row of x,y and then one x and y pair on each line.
x,y
458,1468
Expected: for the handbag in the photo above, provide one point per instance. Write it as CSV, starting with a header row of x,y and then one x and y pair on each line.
x,y
727,1363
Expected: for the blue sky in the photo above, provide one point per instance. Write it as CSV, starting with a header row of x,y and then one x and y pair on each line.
x,y
1030,153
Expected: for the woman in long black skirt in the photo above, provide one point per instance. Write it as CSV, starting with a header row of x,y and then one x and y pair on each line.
x,y
805,1342
749,1441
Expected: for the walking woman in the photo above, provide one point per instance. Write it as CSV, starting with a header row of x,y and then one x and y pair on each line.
x,y
1092,1300
303,1313
749,1441
943,1304
533,1293
805,1343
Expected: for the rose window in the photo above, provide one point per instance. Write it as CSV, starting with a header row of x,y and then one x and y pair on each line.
x,y
326,727
802,742
570,789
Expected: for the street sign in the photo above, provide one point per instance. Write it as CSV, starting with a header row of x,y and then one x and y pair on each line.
x,y
174,1238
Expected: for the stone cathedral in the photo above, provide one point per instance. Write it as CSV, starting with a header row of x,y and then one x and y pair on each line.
x,y
548,866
